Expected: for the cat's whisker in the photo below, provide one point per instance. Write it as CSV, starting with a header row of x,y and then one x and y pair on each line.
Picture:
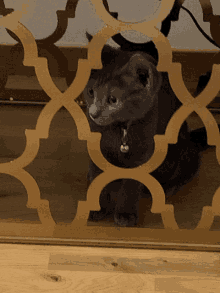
x,y
148,85
91,117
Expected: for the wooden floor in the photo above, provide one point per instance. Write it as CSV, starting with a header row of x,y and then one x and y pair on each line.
x,y
37,268
60,171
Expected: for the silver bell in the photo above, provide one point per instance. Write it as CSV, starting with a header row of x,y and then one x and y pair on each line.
x,y
124,148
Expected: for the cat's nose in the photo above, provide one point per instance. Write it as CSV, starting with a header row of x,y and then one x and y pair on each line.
x,y
93,118
93,112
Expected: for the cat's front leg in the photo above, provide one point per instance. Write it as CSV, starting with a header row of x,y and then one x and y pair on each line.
x,y
107,201
127,207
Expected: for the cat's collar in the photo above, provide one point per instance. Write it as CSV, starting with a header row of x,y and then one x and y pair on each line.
x,y
124,148
126,124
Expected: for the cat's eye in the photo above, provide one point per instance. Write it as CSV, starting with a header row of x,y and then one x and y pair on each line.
x,y
112,100
90,92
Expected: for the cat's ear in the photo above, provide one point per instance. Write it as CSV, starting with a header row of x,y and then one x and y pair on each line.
x,y
139,60
140,65
89,37
143,68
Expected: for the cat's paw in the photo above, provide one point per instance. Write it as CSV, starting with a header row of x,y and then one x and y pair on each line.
x,y
98,215
126,219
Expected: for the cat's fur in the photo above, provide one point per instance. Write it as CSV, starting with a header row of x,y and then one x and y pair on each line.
x,y
146,99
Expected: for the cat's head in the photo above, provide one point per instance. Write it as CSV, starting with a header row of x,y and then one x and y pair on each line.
x,y
125,89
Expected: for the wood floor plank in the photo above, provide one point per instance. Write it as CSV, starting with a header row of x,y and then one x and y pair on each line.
x,y
29,268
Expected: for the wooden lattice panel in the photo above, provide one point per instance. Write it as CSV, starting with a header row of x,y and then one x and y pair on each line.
x,y
78,229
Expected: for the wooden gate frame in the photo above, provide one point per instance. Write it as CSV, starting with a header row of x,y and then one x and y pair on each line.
x,y
78,232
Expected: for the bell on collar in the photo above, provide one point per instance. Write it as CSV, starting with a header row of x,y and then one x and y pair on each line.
x,y
124,148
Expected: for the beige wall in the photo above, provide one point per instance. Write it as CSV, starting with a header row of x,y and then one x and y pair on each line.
x,y
41,21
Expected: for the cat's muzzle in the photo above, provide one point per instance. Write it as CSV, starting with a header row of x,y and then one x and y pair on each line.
x,y
91,117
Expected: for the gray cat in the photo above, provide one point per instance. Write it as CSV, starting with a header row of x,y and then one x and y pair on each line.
x,y
128,102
